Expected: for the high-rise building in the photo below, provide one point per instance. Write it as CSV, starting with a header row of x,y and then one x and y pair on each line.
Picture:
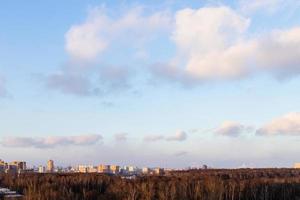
x,y
104,168
50,166
145,170
87,169
2,166
20,165
159,171
131,168
82,168
42,169
115,169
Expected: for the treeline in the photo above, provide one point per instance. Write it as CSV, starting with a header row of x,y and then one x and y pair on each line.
x,y
242,184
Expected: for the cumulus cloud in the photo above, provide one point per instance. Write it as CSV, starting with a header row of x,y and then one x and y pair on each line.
x,y
121,136
86,73
288,124
209,35
232,129
50,142
213,44
89,39
279,52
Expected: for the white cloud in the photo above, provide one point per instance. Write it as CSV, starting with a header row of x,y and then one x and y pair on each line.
x,y
179,136
50,142
210,41
86,73
214,44
279,52
89,39
84,41
288,124
232,129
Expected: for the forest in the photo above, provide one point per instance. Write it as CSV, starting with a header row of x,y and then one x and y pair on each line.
x,y
210,184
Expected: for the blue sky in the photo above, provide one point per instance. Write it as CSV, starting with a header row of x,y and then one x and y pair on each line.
x,y
161,83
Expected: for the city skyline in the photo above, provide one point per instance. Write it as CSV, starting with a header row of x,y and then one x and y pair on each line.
x,y
161,83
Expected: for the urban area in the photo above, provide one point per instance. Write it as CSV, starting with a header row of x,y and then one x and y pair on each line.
x,y
20,167
17,167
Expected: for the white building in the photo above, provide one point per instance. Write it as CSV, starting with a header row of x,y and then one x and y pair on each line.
x,y
145,170
42,169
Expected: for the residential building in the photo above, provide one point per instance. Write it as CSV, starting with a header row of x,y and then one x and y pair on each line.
x,y
82,168
42,169
2,166
159,171
115,169
104,168
50,166
131,168
145,170
20,165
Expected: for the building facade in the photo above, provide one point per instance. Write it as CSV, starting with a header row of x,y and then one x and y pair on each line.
x,y
50,166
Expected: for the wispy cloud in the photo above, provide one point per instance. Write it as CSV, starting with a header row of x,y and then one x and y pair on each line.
x,y
268,6
121,137
258,5
76,84
178,136
153,138
50,142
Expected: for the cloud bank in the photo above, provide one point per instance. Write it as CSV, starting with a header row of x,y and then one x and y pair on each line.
x,y
50,142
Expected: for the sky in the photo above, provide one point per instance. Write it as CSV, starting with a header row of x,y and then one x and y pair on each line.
x,y
150,83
